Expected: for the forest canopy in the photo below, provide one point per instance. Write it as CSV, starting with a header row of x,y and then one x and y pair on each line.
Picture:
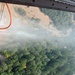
x,y
37,58
46,56
62,20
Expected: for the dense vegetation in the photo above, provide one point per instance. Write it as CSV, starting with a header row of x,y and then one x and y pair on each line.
x,y
41,58
62,20
37,58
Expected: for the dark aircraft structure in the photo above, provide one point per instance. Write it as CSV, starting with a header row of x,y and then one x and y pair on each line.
x,y
65,5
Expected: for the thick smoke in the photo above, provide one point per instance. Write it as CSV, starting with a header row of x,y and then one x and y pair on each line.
x,y
24,29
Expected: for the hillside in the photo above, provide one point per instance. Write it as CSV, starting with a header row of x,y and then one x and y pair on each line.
x,y
24,17
39,42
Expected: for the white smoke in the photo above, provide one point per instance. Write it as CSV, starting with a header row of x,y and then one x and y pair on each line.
x,y
24,29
